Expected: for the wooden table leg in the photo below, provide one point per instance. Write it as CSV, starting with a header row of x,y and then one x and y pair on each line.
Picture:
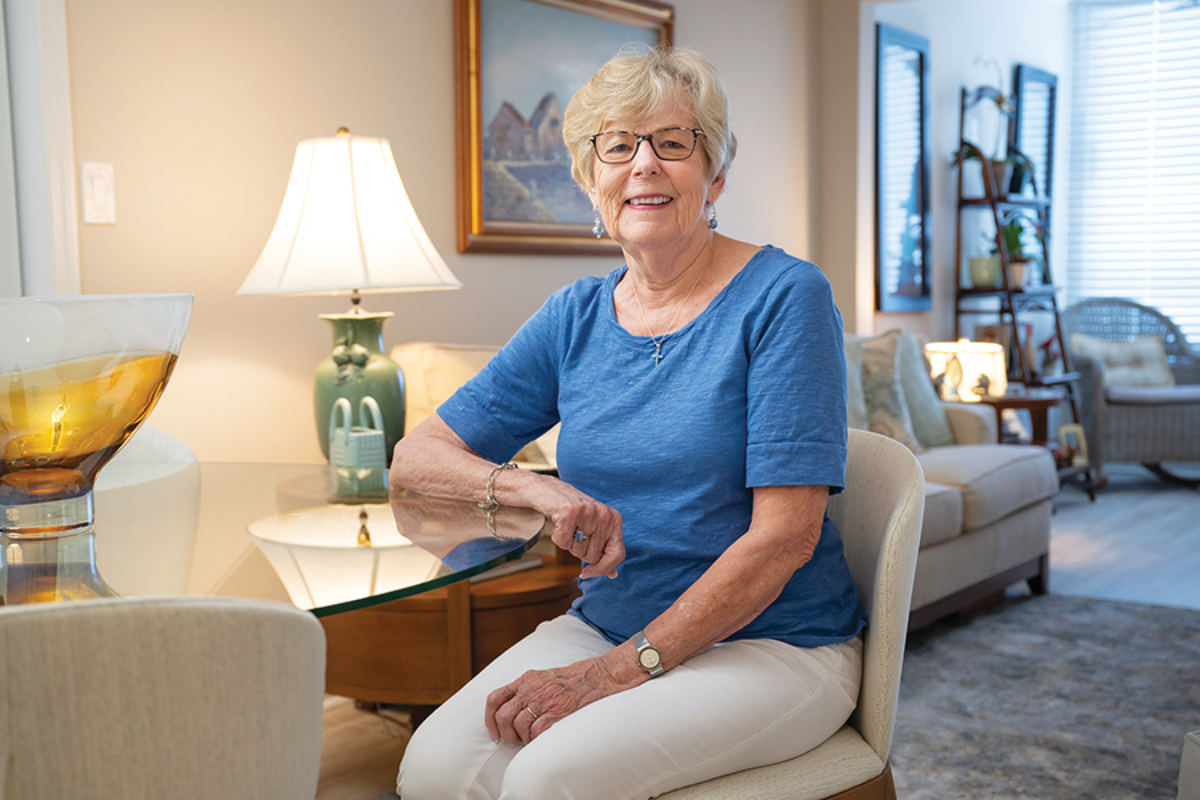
x,y
1038,417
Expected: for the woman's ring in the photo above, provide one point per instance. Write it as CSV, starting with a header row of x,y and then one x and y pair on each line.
x,y
532,713
580,536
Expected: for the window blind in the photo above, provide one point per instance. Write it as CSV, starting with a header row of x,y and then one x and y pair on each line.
x,y
1134,223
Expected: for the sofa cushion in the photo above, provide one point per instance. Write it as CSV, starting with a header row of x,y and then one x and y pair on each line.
x,y
887,412
1135,362
856,403
924,406
1153,395
995,479
943,514
902,352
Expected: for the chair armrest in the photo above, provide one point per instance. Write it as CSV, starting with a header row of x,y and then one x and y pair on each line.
x,y
1091,378
971,423
1186,374
1093,405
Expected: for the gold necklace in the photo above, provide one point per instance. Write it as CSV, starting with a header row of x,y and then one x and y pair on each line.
x,y
658,356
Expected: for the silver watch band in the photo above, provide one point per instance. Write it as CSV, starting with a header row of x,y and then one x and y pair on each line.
x,y
648,656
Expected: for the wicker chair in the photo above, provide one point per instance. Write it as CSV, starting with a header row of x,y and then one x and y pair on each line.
x,y
1143,425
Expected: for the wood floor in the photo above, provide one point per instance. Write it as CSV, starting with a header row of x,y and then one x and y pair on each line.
x,y
1139,542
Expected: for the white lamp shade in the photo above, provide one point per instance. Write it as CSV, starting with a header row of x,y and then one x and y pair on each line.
x,y
315,553
347,223
975,359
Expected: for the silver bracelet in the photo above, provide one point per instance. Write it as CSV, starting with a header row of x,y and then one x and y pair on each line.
x,y
488,503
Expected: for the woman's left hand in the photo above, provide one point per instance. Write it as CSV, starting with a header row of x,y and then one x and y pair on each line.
x,y
527,707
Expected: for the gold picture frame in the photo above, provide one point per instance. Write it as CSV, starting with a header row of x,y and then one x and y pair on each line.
x,y
1072,436
515,194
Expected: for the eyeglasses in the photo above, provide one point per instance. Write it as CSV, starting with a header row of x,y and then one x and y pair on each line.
x,y
669,144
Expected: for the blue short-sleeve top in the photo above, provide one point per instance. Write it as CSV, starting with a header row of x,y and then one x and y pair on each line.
x,y
752,392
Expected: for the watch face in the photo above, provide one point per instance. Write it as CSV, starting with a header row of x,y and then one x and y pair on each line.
x,y
649,658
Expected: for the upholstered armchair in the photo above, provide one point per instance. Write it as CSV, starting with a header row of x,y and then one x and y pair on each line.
x,y
879,515
1139,386
186,698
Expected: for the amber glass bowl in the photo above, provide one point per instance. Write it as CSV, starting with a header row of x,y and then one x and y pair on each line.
x,y
78,375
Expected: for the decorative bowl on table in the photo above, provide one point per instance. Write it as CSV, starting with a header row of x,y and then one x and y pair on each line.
x,y
78,375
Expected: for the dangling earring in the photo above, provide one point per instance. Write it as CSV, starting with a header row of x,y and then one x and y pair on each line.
x,y
598,227
712,217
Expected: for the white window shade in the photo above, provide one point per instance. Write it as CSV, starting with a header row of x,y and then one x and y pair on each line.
x,y
1134,227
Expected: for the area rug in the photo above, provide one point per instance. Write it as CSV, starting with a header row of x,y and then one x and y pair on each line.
x,y
1050,697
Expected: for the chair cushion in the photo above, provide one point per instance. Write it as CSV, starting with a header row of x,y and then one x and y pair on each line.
x,y
995,479
943,514
841,762
1136,362
1153,395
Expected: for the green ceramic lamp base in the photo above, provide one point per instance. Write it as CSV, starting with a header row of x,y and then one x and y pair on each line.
x,y
358,367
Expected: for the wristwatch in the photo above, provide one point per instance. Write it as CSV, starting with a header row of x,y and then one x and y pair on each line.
x,y
648,657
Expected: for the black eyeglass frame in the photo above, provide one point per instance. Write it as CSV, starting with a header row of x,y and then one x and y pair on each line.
x,y
638,138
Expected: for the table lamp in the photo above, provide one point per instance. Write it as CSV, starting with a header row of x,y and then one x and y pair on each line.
x,y
969,370
347,226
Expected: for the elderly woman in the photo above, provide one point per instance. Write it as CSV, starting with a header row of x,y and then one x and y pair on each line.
x,y
701,391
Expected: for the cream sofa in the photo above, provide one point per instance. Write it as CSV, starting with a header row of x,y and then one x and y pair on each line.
x,y
987,506
987,514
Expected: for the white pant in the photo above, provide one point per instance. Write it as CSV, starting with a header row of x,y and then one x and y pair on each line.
x,y
737,705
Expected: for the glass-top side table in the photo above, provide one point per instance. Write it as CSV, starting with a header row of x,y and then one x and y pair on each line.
x,y
188,531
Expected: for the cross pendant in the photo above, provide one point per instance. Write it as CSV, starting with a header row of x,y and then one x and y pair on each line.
x,y
658,356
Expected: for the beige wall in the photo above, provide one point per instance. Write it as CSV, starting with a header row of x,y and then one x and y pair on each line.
x,y
199,105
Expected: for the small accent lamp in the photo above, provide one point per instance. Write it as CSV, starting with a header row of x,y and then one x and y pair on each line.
x,y
969,370
347,225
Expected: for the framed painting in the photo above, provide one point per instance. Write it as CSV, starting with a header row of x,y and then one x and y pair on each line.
x,y
518,63
901,171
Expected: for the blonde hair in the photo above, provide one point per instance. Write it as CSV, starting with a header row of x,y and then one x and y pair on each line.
x,y
639,83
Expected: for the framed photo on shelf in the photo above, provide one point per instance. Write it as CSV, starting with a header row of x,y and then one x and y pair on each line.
x,y
517,65
1072,441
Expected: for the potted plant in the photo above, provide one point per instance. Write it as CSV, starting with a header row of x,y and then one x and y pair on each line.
x,y
1001,171
1014,234
1011,174
1017,259
984,271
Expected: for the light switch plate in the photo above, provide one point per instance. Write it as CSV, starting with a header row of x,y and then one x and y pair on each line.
x,y
99,197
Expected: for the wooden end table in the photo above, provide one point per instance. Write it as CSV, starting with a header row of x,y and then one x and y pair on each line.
x,y
1037,402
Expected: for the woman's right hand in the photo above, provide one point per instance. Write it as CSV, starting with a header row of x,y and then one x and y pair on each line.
x,y
599,543
432,460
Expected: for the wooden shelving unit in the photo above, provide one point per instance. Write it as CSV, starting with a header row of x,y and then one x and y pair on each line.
x,y
1007,302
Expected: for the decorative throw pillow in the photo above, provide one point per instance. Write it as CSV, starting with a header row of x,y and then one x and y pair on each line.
x,y
856,403
887,412
925,410
1133,362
